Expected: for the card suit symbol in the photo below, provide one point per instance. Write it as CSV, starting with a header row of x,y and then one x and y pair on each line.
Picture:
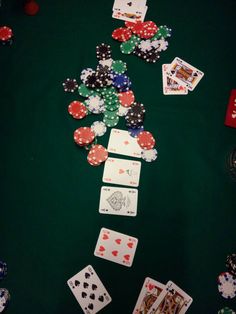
x,y
90,306
105,237
121,171
129,4
77,283
94,287
114,253
150,286
127,257
84,294
92,296
85,285
126,142
130,245
101,248
87,275
101,298
118,241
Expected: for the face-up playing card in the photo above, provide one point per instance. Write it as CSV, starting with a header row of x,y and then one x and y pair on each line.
x,y
128,5
120,142
172,300
170,86
230,118
89,291
184,73
150,291
122,171
116,247
118,201
138,15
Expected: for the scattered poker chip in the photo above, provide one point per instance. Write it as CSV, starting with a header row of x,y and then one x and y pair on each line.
x,y
163,32
70,85
121,34
134,132
83,136
111,122
3,270
149,30
6,34
226,310
146,140
103,51
84,91
127,47
4,299
95,104
120,80
97,154
227,285
136,110
85,73
122,111
126,98
231,264
149,155
99,128
118,67
77,109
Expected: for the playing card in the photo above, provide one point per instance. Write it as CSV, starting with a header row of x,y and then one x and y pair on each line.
x,y
116,247
138,15
150,291
129,6
230,118
118,201
170,86
184,73
122,171
89,291
172,300
120,142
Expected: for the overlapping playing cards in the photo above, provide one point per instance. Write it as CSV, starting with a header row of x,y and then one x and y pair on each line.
x,y
179,77
130,10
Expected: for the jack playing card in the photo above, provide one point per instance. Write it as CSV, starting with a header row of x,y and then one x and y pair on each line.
x,y
118,201
122,171
184,73
150,291
170,86
120,142
116,247
172,300
230,119
89,291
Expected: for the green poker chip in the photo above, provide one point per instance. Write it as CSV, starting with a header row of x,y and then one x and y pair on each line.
x,y
127,47
84,91
112,107
226,310
163,32
111,115
119,67
109,91
111,122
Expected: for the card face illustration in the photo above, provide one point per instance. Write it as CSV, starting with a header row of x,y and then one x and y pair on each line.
x,y
116,247
172,300
129,10
170,86
89,291
122,171
138,15
149,293
184,73
120,142
118,201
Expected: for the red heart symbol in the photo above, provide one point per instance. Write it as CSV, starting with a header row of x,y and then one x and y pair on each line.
x,y
127,257
105,237
101,248
150,286
118,241
114,253
130,244
121,171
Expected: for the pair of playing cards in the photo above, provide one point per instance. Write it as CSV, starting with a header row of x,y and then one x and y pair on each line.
x,y
156,298
230,119
179,77
130,10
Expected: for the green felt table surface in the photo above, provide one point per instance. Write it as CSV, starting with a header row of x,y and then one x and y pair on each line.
x,y
49,193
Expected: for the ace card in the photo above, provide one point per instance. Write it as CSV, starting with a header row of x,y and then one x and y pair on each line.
x,y
170,86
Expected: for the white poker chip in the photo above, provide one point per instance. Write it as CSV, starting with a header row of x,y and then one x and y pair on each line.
x,y
149,155
145,45
163,45
122,111
99,128
227,285
155,43
85,73
95,104
106,62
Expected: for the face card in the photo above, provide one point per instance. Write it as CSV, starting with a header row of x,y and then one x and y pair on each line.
x,y
129,6
184,73
89,291
170,86
122,171
118,201
150,291
120,142
138,15
172,300
116,247
230,118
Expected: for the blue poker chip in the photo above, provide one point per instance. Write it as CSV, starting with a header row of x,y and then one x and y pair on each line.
x,y
3,269
120,80
134,132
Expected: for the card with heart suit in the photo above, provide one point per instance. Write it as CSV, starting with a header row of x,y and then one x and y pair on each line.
x,y
170,86
116,247
120,142
184,73
230,118
122,171
172,300
118,201
150,291
89,291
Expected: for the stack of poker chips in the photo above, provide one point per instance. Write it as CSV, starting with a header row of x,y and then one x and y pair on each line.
x,y
6,35
4,293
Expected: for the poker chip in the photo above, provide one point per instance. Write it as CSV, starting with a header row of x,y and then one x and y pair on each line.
x,y
129,25
84,91
152,56
226,310
111,122
227,285
121,34
111,115
127,47
83,136
145,45
149,155
6,35
126,98
136,110
85,73
134,132
91,80
149,30
97,154
118,67
162,32
231,264
99,128
163,45
4,299
122,111
3,270
77,109
95,104
146,140
103,51
106,62
70,85
120,80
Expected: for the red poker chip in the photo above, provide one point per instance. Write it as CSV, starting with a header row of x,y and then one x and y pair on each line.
x,y
92,162
97,154
5,33
77,109
121,34
146,140
129,25
126,98
149,30
83,136
137,27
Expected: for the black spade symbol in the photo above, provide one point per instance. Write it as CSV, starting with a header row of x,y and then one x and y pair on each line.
x,y
129,4
92,296
84,294
101,298
77,283
94,287
86,285
87,275
90,306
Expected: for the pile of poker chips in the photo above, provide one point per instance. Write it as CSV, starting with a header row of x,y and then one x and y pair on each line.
x,y
4,293
107,90
143,39
6,35
227,280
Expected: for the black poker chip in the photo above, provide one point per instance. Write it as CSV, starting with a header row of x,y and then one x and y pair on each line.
x,y
103,51
231,263
91,80
70,85
136,110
